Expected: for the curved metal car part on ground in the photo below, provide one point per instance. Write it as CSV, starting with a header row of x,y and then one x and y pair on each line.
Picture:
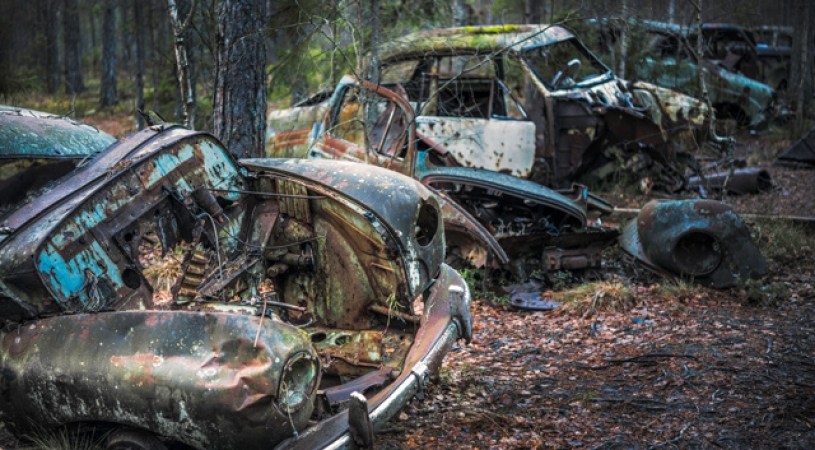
x,y
163,286
525,225
675,65
37,147
701,240
800,153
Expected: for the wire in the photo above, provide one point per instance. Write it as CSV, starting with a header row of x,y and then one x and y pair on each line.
x,y
274,247
268,194
218,252
260,325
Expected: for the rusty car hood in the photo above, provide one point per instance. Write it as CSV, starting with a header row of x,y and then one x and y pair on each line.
x,y
37,148
518,187
395,198
33,256
24,132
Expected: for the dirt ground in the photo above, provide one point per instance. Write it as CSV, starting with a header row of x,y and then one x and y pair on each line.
x,y
676,366
639,363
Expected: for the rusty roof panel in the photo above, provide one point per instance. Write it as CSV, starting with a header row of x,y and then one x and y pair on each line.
x,y
24,132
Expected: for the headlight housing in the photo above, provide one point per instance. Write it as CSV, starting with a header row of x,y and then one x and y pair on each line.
x,y
297,382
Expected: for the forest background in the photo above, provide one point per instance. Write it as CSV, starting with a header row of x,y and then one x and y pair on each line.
x,y
102,60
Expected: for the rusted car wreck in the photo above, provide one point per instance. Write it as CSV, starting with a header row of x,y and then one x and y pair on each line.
x,y
533,102
524,225
171,295
666,57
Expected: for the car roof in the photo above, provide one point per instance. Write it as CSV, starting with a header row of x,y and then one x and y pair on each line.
x,y
473,40
28,133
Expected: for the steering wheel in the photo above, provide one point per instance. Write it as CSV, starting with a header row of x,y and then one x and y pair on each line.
x,y
568,71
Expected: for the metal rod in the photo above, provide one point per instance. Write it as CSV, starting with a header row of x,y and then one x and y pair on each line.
x,y
267,194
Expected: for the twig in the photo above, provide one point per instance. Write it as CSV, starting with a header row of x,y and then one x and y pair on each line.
x,y
674,440
641,359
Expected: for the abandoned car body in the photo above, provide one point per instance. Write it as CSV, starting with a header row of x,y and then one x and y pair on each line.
x,y
668,59
36,148
483,211
577,122
702,240
735,48
173,295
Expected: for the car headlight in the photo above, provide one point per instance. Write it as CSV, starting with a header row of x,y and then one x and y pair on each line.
x,y
297,383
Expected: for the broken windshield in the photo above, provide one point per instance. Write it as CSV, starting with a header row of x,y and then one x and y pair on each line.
x,y
565,64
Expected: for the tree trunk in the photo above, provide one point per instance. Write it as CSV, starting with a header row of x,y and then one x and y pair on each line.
x,y
533,11
671,10
183,63
154,56
126,42
107,94
801,66
239,107
138,18
624,39
53,75
375,27
186,9
73,59
459,13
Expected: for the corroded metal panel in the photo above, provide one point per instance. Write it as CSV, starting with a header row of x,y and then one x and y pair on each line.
x,y
702,239
36,148
506,146
183,374
167,288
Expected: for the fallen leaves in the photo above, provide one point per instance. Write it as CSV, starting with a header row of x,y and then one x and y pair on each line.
x,y
651,376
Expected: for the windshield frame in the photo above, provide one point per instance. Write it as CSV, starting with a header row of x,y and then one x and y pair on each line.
x,y
606,76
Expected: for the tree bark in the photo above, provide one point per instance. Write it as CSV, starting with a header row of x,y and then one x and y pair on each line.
x,y
138,18
459,13
624,39
801,65
53,74
73,59
107,93
239,116
671,10
183,63
375,28
532,14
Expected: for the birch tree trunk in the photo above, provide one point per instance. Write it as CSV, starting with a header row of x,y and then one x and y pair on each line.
x,y
183,63
239,106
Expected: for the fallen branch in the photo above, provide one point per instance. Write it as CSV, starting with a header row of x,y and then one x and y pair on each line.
x,y
641,359
674,440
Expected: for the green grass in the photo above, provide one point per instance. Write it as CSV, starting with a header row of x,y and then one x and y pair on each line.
x,y
589,298
63,439
760,293
783,241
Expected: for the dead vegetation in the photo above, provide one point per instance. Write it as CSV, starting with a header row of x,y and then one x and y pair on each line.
x,y
644,363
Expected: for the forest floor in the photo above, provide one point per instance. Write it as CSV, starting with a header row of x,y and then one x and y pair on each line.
x,y
632,361
639,363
